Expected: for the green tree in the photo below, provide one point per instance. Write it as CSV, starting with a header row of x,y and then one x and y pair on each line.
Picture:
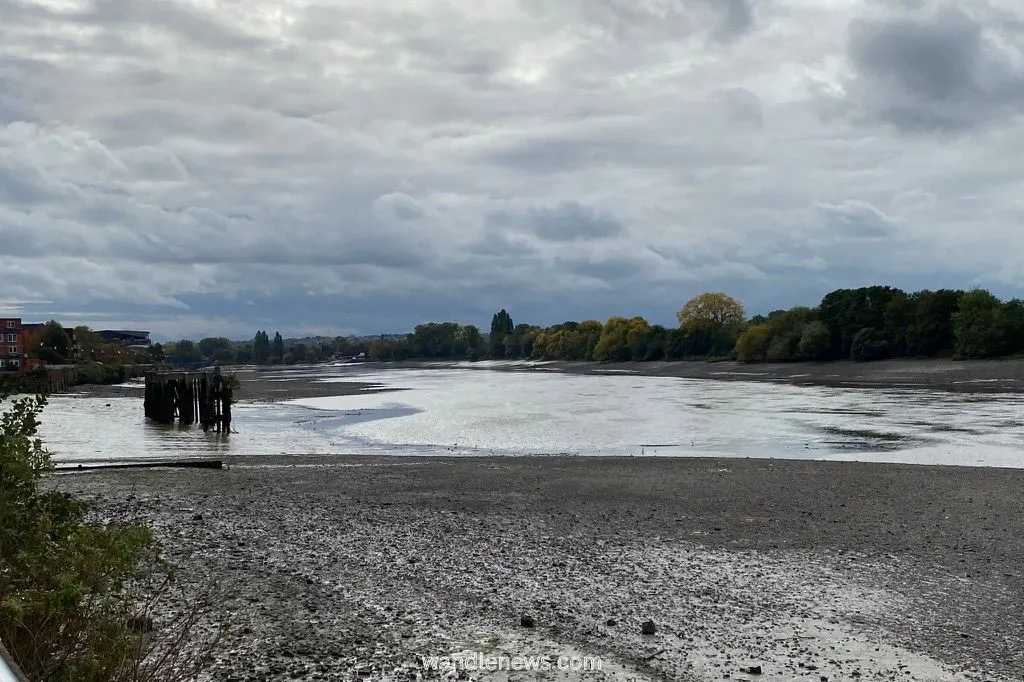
x,y
978,326
815,341
711,312
931,331
184,352
54,344
261,348
88,341
752,345
870,344
277,349
217,349
847,311
501,328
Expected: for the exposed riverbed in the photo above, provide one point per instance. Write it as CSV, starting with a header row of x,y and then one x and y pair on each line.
x,y
354,567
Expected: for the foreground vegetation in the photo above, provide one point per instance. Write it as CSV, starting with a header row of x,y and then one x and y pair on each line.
x,y
869,323
78,599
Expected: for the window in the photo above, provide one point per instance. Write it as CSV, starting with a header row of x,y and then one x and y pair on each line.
x,y
3,362
13,350
10,324
15,363
12,338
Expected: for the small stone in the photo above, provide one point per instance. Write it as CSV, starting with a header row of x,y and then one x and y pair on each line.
x,y
648,627
753,670
197,517
611,622
527,621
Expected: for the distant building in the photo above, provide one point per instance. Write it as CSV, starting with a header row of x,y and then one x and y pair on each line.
x,y
125,337
14,356
12,347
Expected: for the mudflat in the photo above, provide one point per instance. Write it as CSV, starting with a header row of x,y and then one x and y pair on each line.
x,y
344,567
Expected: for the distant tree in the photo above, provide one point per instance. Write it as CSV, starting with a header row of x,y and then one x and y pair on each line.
x,y
277,349
978,325
1012,324
501,328
931,330
710,312
469,342
870,344
183,352
622,339
88,341
815,341
752,345
54,344
217,348
847,311
261,348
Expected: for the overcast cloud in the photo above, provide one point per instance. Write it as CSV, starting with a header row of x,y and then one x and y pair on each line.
x,y
205,167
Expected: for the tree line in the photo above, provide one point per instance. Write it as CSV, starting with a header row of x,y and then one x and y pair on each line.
x,y
868,323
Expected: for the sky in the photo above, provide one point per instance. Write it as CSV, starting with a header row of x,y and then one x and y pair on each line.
x,y
214,167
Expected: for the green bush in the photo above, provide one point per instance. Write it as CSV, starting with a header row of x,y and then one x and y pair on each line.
x,y
101,373
76,599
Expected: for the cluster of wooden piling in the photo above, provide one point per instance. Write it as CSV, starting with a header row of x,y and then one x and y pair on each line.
x,y
189,397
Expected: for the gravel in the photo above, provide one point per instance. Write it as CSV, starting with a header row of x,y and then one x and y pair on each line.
x,y
343,567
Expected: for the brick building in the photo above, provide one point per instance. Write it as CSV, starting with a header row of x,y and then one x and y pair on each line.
x,y
12,345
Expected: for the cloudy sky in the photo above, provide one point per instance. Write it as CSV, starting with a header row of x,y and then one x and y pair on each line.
x,y
201,167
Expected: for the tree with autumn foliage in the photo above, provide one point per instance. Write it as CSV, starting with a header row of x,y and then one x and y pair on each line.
x,y
711,312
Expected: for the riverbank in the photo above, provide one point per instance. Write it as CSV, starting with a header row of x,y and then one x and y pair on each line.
x,y
355,566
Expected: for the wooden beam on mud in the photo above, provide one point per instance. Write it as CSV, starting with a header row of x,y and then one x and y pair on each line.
x,y
177,464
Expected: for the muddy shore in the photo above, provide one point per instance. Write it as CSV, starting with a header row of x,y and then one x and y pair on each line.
x,y
353,567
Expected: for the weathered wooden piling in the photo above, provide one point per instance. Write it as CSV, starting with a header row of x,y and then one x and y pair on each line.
x,y
189,397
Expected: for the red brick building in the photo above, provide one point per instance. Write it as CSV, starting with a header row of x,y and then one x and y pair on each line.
x,y
14,355
12,346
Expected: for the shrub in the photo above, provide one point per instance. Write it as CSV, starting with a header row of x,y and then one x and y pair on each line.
x,y
77,600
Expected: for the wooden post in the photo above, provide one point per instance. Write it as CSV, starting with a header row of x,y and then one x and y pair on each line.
x,y
189,397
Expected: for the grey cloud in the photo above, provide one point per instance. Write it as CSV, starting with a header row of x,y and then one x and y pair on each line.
x,y
570,221
500,245
856,219
736,18
398,205
742,105
179,19
605,269
422,154
653,19
935,70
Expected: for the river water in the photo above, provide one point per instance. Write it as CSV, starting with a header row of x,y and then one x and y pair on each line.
x,y
486,412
